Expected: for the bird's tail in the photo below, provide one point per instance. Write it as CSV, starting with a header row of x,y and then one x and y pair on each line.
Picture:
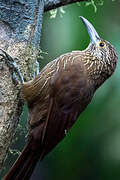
x,y
24,166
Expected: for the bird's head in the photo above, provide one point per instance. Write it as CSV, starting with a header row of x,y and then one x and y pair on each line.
x,y
103,57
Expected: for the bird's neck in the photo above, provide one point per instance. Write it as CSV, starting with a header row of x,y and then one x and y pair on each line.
x,y
97,71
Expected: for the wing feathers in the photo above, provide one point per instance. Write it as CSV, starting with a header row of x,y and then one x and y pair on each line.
x,y
58,123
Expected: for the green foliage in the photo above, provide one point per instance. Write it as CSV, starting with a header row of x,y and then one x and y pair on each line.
x,y
41,54
53,12
92,2
61,11
95,4
14,151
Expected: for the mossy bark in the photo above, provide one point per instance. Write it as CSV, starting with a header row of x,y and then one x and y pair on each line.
x,y
20,27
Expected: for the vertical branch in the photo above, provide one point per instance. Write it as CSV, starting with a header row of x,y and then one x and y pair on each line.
x,y
20,28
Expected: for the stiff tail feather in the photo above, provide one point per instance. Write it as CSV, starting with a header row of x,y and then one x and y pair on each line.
x,y
24,166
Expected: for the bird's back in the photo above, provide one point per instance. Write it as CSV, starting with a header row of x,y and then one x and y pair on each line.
x,y
65,79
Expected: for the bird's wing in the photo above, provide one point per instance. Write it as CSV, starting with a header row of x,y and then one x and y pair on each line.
x,y
56,127
66,103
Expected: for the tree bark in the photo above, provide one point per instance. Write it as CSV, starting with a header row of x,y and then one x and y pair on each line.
x,y
20,29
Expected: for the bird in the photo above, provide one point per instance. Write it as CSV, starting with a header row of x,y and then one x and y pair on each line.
x,y
58,95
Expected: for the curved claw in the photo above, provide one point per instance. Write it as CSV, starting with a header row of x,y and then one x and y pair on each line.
x,y
12,65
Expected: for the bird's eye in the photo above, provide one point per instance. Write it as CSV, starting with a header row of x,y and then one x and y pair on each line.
x,y
102,44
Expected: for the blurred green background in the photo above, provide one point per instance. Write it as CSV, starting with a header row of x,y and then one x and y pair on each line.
x,y
91,150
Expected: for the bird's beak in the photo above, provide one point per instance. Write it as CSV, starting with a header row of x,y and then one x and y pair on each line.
x,y
91,31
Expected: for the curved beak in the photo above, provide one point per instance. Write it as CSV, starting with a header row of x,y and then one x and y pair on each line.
x,y
91,31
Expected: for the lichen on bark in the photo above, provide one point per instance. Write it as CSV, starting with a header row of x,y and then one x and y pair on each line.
x,y
20,27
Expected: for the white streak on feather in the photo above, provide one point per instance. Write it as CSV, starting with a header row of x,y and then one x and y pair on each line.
x,y
91,64
86,63
65,63
51,72
74,58
58,66
44,83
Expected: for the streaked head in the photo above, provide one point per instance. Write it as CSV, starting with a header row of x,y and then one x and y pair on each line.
x,y
105,56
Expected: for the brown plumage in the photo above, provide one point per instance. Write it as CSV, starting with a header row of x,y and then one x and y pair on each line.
x,y
58,95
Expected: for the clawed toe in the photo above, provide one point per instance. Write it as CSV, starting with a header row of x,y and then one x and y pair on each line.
x,y
12,65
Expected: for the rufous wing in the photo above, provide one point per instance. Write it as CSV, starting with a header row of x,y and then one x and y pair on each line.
x,y
65,105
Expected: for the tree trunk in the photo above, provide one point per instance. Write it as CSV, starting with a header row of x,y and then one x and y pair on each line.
x,y
20,29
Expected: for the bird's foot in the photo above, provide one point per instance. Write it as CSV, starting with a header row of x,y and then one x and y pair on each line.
x,y
13,66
